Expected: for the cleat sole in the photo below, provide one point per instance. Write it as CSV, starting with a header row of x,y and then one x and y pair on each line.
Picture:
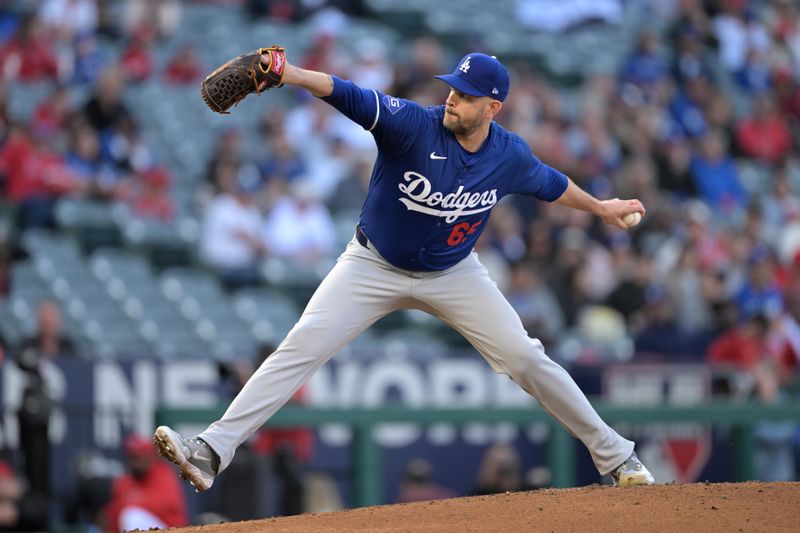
x,y
172,452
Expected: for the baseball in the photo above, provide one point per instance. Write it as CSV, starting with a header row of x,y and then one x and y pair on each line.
x,y
631,219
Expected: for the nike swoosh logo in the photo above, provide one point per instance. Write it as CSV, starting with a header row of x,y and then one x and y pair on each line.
x,y
434,156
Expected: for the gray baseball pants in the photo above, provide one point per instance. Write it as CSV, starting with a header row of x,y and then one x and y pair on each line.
x,y
362,288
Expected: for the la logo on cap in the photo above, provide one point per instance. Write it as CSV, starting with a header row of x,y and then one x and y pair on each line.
x,y
464,67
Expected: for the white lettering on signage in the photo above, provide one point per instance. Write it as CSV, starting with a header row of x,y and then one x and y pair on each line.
x,y
439,384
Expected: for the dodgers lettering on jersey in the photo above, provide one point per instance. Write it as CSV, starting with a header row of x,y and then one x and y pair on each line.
x,y
429,198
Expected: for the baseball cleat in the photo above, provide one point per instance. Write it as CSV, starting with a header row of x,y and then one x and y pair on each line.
x,y
198,463
632,472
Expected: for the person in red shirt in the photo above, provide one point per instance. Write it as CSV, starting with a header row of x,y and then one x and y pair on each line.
x,y
33,176
742,347
740,356
136,60
52,114
148,496
27,56
151,199
184,67
764,135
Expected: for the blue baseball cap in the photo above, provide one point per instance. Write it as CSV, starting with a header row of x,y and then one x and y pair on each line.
x,y
479,75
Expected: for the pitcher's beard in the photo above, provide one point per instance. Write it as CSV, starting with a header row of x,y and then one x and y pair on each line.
x,y
458,126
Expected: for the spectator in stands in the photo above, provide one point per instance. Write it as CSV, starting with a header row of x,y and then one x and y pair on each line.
x,y
125,146
5,263
505,233
720,117
52,114
534,302
687,286
414,76
89,61
18,511
87,164
417,484
325,51
673,163
764,136
230,240
299,227
736,355
4,117
184,67
163,16
569,277
225,161
690,60
35,176
716,176
136,61
10,495
151,197
67,19
686,106
28,56
739,32
787,95
50,341
105,108
754,77
372,67
148,496
591,142
499,471
282,162
784,23
660,334
786,338
760,293
34,357
781,205
629,297
350,192
645,66
310,129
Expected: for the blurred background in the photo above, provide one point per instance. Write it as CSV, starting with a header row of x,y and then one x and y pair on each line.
x,y
152,253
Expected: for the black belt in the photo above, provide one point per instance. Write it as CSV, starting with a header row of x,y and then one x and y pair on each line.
x,y
361,237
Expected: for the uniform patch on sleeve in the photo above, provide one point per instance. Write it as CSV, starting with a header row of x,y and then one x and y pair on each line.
x,y
393,104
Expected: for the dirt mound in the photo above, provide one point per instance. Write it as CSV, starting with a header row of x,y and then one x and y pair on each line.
x,y
725,507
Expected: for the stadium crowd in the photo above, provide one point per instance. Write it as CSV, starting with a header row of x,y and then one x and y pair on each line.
x,y
701,122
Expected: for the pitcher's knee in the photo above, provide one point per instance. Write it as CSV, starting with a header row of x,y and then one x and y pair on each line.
x,y
525,359
307,339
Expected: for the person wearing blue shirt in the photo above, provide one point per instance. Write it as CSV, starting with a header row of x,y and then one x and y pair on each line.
x,y
439,172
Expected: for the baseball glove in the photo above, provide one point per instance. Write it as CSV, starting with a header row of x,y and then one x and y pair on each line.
x,y
243,75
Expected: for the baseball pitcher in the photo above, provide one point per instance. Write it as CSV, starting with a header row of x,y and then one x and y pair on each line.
x,y
439,172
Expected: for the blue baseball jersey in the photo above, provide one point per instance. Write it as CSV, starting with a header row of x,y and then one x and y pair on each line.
x,y
429,199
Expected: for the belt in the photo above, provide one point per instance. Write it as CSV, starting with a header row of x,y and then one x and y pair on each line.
x,y
361,237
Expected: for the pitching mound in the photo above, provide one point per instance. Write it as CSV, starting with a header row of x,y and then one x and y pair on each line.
x,y
750,507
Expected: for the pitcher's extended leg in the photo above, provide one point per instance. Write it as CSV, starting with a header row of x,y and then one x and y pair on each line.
x,y
470,301
356,293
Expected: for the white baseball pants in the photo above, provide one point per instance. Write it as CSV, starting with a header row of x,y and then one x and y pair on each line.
x,y
361,289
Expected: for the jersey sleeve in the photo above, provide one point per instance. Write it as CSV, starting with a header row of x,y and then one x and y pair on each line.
x,y
393,122
538,179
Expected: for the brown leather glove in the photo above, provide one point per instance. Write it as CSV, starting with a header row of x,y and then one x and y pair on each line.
x,y
243,75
